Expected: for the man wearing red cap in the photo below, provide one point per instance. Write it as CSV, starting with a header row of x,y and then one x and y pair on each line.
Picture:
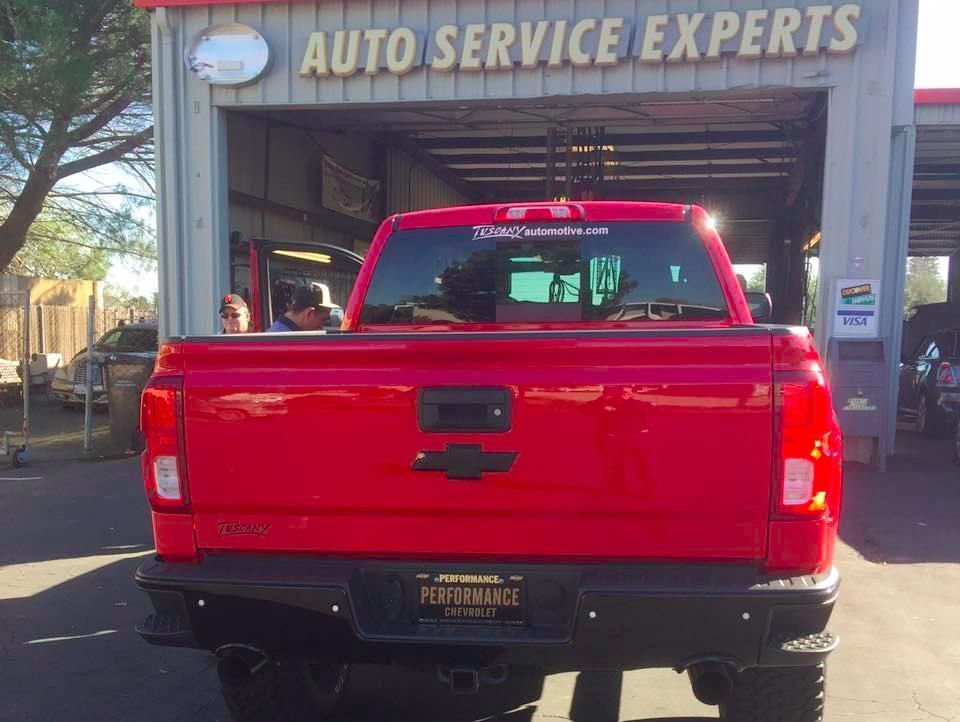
x,y
234,314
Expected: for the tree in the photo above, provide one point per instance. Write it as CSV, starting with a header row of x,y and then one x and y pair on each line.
x,y
924,283
117,297
758,281
810,299
74,96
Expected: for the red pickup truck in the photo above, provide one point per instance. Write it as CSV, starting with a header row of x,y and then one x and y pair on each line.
x,y
547,434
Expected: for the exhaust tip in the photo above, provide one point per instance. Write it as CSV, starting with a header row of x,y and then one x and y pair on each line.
x,y
233,671
712,682
237,664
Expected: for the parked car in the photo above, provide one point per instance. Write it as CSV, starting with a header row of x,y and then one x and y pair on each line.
x,y
69,384
929,393
925,320
524,477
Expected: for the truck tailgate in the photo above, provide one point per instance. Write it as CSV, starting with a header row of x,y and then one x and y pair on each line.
x,y
628,444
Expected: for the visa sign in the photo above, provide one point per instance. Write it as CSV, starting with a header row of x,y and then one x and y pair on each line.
x,y
856,305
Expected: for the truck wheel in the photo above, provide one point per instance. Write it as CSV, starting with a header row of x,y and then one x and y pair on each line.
x,y
283,690
777,694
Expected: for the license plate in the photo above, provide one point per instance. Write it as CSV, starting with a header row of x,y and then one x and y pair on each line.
x,y
470,598
80,389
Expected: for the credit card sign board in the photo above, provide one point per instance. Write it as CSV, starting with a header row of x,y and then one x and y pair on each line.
x,y
856,308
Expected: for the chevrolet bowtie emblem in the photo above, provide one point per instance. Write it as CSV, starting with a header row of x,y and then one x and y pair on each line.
x,y
464,461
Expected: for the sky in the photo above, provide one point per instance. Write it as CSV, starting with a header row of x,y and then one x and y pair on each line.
x,y
938,66
938,53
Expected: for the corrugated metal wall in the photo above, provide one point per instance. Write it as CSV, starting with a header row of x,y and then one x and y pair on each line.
x,y
287,28
412,187
946,114
286,170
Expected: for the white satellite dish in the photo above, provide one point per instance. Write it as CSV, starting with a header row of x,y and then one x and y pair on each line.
x,y
228,54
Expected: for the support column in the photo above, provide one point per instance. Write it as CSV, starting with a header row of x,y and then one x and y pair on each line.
x,y
953,278
866,197
551,164
192,208
902,155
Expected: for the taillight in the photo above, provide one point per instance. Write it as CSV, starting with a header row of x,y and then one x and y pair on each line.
x,y
810,459
551,212
945,375
162,462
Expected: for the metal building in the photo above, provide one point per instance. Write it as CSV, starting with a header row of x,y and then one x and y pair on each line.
x,y
791,120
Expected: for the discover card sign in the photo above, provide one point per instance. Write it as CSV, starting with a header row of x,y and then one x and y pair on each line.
x,y
591,41
856,304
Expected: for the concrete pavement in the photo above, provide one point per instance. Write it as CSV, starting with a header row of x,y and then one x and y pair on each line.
x,y
71,539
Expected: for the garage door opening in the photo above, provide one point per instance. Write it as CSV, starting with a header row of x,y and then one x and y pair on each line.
x,y
329,174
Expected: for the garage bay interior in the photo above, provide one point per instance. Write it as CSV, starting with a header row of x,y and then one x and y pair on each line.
x,y
328,175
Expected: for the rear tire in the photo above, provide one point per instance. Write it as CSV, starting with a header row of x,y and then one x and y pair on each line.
x,y
930,421
776,694
956,444
284,690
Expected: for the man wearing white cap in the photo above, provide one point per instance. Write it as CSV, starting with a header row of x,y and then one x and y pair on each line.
x,y
309,310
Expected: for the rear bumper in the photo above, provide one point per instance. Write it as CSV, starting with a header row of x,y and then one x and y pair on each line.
x,y
579,616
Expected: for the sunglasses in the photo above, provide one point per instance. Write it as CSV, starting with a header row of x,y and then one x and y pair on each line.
x,y
235,314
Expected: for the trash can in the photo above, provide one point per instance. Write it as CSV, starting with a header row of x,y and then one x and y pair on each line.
x,y
124,376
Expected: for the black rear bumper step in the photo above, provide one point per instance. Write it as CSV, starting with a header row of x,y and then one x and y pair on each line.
x,y
169,631
578,616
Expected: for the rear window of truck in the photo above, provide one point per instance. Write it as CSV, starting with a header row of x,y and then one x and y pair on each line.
x,y
544,272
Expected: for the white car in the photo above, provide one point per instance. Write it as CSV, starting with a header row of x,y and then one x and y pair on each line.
x,y
69,384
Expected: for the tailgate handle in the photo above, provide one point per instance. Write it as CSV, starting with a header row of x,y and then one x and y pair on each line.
x,y
466,409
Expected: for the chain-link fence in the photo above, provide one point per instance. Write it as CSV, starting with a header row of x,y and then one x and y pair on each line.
x,y
14,339
63,329
11,325
43,343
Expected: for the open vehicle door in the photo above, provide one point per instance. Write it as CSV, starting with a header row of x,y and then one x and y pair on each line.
x,y
277,267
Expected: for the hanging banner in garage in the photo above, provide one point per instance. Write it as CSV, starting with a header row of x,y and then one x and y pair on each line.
x,y
346,192
586,42
856,304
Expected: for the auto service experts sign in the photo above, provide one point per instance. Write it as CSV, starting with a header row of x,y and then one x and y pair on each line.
x,y
587,42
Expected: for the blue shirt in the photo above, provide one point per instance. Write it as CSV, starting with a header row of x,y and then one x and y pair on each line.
x,y
282,325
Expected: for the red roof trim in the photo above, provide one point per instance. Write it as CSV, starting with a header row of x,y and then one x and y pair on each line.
x,y
937,96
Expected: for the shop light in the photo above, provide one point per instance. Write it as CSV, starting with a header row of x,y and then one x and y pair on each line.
x,y
305,256
813,242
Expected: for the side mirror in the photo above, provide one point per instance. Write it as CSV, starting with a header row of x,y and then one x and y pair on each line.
x,y
761,306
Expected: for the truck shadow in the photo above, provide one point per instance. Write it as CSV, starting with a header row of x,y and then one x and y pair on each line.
x,y
376,693
395,694
70,510
908,514
69,653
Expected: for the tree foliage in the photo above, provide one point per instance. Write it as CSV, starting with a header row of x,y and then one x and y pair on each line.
x,y
117,297
758,281
924,283
74,96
